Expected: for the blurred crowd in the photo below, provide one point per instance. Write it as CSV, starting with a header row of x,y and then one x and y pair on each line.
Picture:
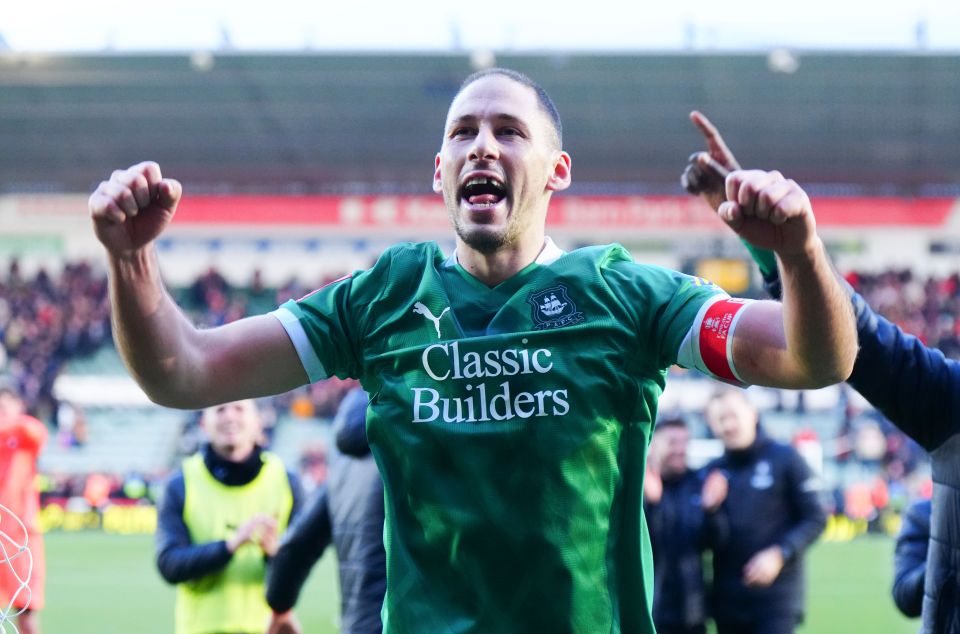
x,y
928,308
45,320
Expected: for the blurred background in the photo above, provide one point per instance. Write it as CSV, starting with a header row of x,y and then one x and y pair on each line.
x,y
304,135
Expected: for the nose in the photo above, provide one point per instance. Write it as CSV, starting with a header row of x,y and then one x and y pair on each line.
x,y
484,146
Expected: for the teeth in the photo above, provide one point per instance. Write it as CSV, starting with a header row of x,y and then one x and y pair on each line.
x,y
481,180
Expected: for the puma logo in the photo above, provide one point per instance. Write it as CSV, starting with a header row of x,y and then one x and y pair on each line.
x,y
420,309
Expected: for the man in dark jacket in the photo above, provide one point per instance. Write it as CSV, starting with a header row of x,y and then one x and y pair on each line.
x,y
910,558
678,533
220,518
916,387
349,511
773,514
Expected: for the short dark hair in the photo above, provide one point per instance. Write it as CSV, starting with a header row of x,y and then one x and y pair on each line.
x,y
674,422
546,103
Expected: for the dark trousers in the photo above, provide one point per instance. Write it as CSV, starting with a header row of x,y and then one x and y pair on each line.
x,y
779,624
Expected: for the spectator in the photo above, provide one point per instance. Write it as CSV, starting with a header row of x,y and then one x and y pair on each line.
x,y
350,511
22,438
773,515
676,520
220,518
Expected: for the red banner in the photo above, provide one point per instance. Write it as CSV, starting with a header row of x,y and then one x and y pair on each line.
x,y
567,212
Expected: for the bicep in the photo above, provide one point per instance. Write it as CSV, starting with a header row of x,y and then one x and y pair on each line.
x,y
249,358
759,349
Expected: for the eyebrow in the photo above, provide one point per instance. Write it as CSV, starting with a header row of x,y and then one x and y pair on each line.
x,y
503,116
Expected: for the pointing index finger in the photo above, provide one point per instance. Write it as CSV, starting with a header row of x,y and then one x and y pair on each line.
x,y
703,124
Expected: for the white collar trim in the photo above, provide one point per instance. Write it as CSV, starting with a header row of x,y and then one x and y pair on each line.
x,y
549,254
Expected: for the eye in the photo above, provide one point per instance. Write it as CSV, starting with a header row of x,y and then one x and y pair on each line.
x,y
510,132
461,132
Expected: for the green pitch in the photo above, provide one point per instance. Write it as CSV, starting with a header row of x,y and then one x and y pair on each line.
x,y
106,584
99,583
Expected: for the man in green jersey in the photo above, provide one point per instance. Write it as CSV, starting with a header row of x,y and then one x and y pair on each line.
x,y
513,386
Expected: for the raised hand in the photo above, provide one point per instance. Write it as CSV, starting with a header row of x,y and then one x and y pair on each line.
x,y
770,212
714,492
706,170
249,531
652,487
132,208
269,536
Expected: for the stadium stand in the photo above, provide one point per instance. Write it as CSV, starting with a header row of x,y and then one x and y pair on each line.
x,y
878,124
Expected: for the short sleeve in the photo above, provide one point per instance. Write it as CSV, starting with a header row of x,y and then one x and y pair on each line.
x,y
690,295
665,304
323,329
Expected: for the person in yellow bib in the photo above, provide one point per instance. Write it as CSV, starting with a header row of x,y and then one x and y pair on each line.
x,y
220,520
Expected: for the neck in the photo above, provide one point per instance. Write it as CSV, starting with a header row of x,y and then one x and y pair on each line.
x,y
494,268
233,453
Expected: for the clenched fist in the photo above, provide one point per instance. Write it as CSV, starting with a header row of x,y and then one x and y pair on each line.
x,y
131,209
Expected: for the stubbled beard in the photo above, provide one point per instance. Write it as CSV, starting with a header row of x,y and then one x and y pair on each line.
x,y
484,239
481,240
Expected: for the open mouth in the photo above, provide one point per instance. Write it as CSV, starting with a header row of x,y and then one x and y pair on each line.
x,y
483,191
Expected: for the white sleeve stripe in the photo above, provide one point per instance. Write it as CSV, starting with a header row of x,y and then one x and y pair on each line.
x,y
688,356
298,336
733,328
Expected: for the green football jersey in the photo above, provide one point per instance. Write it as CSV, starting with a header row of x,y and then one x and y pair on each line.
x,y
510,425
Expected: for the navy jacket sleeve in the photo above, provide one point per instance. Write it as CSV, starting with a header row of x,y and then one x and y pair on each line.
x,y
296,490
301,547
178,559
811,519
350,424
910,559
916,387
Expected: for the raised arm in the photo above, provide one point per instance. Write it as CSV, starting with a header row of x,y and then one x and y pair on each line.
x,y
915,386
809,340
175,363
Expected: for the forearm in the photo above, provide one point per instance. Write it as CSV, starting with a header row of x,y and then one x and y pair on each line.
x,y
801,536
151,333
818,320
181,366
185,563
302,546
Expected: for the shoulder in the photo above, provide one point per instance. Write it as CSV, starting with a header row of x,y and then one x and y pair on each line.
x,y
398,267
720,462
30,421
619,267
174,489
273,461
918,514
781,452
403,256
409,254
175,479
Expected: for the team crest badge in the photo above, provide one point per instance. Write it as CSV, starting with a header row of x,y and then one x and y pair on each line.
x,y
553,308
762,476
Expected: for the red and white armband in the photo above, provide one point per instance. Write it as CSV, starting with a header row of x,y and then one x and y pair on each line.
x,y
708,345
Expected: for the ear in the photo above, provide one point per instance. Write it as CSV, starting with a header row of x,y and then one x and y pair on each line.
x,y
560,178
437,176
